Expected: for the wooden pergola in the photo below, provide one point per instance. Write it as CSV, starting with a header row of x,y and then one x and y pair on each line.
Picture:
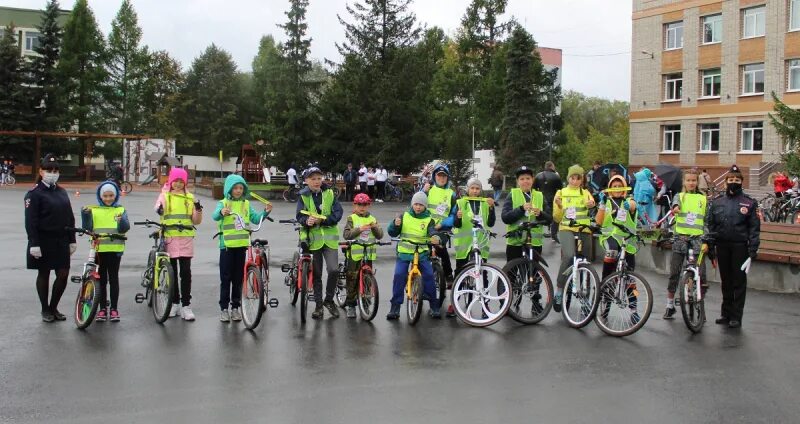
x,y
37,136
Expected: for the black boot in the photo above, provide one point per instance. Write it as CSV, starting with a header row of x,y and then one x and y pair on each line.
x,y
394,312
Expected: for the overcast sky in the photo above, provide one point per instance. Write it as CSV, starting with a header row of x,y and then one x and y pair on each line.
x,y
595,35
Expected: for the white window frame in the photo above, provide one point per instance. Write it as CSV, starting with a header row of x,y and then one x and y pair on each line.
x,y
709,132
25,45
715,25
673,94
751,131
670,133
750,77
672,30
794,15
750,22
794,67
718,74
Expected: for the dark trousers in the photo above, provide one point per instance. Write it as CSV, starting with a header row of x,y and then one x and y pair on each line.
x,y
371,191
184,295
362,187
514,252
399,282
108,267
730,257
231,276
381,187
350,191
444,255
331,258
352,281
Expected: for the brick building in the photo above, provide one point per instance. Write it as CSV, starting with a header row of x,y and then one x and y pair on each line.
x,y
702,76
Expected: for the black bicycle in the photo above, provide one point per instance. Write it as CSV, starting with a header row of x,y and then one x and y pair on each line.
x,y
531,287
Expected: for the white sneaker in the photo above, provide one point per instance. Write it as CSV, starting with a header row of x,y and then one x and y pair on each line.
x,y
224,316
187,314
175,310
236,314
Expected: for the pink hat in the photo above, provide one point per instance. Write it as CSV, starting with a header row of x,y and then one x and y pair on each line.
x,y
177,174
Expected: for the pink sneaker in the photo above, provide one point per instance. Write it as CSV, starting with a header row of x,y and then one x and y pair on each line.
x,y
102,315
114,315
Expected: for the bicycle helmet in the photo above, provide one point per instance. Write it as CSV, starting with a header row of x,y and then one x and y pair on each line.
x,y
362,199
441,168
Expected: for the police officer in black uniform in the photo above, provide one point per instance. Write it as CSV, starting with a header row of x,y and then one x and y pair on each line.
x,y
735,227
47,213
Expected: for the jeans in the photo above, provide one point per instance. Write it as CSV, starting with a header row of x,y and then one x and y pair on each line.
x,y
331,257
497,193
399,282
231,275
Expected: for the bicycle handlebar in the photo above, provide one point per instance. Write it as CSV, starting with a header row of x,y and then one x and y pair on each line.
x,y
580,227
348,243
179,227
525,227
94,235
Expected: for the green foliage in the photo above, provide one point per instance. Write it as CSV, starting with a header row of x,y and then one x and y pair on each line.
x,y
787,124
14,107
45,91
163,80
127,69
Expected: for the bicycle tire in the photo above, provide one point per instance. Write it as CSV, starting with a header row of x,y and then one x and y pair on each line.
x,y
512,269
414,304
162,297
253,294
583,315
368,298
462,288
304,274
642,293
126,187
10,180
693,311
86,303
292,276
440,283
265,279
340,293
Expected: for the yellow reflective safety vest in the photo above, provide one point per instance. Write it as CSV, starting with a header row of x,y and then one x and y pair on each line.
x,y
416,230
623,217
573,206
690,220
178,209
517,200
357,252
320,236
462,237
440,203
231,236
103,221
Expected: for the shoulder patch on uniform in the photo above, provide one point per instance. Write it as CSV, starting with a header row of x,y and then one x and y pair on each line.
x,y
27,202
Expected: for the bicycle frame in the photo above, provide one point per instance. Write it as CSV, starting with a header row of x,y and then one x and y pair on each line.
x,y
693,267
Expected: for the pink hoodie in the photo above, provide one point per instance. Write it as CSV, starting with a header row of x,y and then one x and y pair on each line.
x,y
178,247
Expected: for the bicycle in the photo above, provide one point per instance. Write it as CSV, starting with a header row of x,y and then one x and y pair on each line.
x,y
300,273
414,296
528,277
691,290
582,284
439,279
481,283
255,284
158,278
393,192
291,193
367,285
88,299
627,291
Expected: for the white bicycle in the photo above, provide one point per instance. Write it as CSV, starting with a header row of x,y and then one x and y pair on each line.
x,y
581,293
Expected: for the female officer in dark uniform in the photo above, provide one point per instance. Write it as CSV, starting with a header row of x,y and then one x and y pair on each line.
x,y
47,212
735,227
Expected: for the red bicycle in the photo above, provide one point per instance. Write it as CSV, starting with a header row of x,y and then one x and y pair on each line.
x,y
255,285
367,285
300,272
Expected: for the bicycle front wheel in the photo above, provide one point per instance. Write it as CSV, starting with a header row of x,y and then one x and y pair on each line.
x,y
126,187
252,298
440,282
414,300
368,297
305,283
531,290
481,305
692,308
163,289
86,303
340,294
580,297
291,280
624,304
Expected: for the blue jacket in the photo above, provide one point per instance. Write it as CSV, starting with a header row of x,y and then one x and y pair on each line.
x,y
336,209
394,231
230,181
644,194
86,214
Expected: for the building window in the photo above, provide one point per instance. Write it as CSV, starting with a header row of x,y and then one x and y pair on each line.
x,y
753,79
673,86
31,40
752,136
674,35
794,75
712,29
672,138
794,15
754,22
712,82
709,137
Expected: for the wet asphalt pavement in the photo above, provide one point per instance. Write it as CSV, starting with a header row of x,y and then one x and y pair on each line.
x,y
348,371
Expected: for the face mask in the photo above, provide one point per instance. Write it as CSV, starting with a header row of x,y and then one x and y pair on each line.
x,y
734,188
50,178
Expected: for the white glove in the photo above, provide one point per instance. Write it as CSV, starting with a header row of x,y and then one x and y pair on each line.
x,y
36,252
746,265
72,248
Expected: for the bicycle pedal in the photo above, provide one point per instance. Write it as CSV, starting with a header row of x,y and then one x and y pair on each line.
x,y
76,279
273,303
139,298
286,267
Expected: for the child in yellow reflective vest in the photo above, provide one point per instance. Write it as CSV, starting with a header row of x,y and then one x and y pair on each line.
x,y
107,217
361,226
234,212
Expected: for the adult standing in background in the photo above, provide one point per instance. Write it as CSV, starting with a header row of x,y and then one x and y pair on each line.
x,y
47,213
381,175
291,176
350,176
549,182
704,182
371,183
496,181
362,178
